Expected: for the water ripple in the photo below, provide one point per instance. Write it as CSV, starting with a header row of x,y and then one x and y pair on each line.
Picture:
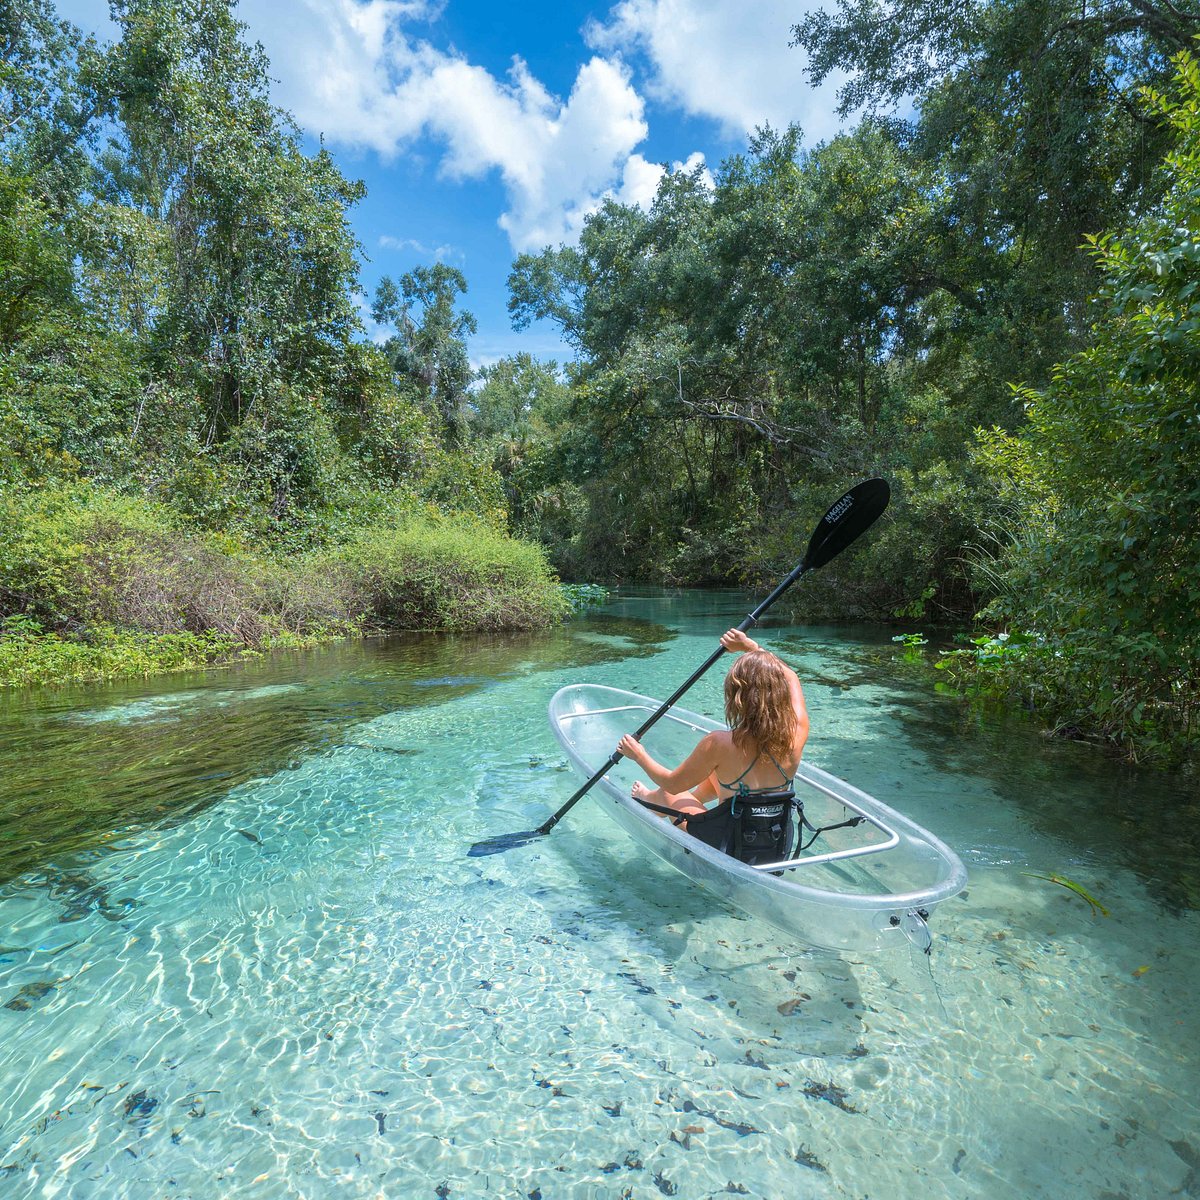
x,y
293,982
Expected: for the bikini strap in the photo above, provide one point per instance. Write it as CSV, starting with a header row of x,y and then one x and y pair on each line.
x,y
737,783
743,788
786,778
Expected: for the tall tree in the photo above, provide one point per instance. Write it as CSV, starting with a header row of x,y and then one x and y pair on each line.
x,y
429,344
262,267
1030,108
46,109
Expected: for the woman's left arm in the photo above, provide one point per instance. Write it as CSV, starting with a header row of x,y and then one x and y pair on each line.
x,y
694,769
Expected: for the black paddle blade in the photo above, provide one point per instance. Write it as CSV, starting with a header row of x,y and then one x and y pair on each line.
x,y
506,841
847,519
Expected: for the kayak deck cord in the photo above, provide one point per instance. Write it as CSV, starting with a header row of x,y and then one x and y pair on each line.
x,y
816,832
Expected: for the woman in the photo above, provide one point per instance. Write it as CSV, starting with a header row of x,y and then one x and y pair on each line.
x,y
757,755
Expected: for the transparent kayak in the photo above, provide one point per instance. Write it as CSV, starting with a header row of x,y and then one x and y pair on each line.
x,y
867,888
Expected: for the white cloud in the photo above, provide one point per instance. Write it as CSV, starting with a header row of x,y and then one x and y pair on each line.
x,y
367,74
640,179
724,59
439,253
349,70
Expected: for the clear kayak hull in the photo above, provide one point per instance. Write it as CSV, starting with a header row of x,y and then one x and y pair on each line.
x,y
862,889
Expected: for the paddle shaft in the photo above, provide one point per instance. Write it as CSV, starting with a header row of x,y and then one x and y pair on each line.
x,y
653,719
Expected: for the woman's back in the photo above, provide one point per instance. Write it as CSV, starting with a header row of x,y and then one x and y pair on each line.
x,y
752,769
761,749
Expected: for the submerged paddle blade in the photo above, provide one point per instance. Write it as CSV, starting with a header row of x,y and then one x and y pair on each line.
x,y
506,841
846,520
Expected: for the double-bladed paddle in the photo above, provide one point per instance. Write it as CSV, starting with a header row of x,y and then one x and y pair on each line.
x,y
847,519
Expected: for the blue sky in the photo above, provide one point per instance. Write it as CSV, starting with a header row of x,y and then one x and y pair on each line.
x,y
483,130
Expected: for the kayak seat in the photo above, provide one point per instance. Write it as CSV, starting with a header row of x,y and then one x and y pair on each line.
x,y
753,827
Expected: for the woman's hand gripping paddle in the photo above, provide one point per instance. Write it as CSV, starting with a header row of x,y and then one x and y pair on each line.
x,y
847,519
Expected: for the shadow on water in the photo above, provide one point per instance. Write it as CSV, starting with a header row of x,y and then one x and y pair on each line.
x,y
83,765
724,975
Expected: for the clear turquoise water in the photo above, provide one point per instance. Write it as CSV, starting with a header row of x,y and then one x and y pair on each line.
x,y
243,952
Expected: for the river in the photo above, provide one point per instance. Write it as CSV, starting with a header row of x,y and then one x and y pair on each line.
x,y
243,951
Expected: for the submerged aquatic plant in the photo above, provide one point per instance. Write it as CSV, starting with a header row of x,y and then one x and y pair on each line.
x,y
1072,886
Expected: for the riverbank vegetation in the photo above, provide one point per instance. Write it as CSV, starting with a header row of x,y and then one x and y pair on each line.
x,y
97,584
201,453
991,301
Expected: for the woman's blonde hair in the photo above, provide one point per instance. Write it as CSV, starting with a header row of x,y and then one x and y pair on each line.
x,y
758,703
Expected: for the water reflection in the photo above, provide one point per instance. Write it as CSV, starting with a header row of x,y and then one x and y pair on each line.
x,y
81,766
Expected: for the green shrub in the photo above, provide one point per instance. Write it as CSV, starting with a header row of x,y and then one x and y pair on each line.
x,y
29,655
453,574
94,585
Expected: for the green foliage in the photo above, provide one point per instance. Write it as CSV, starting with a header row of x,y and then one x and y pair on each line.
x,y
94,584
38,558
465,482
35,266
519,419
858,307
1027,106
582,596
454,575
1105,564
197,443
47,101
79,558
68,398
992,665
